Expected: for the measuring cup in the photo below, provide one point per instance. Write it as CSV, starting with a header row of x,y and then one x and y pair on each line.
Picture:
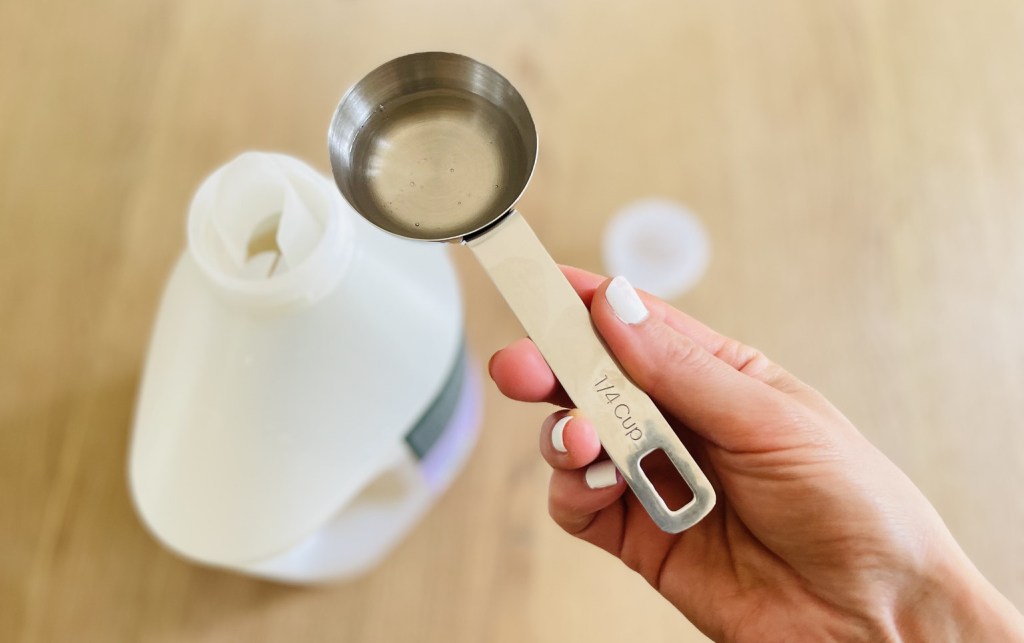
x,y
439,147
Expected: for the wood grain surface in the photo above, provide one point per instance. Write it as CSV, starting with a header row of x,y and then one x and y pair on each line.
x,y
859,167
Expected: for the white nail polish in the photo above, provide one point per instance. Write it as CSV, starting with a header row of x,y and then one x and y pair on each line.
x,y
602,474
557,438
625,302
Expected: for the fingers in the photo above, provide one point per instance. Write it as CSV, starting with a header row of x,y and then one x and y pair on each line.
x,y
705,379
585,489
713,398
590,511
568,441
741,357
521,373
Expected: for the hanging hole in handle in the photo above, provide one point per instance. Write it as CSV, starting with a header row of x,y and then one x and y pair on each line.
x,y
663,475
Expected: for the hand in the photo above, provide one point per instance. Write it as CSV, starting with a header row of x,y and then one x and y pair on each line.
x,y
816,534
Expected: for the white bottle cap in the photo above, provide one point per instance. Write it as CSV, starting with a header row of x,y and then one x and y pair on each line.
x,y
659,245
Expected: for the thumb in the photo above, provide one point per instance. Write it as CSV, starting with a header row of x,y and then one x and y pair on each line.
x,y
721,404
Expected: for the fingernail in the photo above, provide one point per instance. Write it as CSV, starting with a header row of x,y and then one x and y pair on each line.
x,y
602,474
557,439
625,302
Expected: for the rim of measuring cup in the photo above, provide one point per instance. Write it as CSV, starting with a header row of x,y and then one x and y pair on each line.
x,y
339,146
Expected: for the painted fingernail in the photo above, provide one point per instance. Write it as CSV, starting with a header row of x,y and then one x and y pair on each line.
x,y
602,474
625,302
557,437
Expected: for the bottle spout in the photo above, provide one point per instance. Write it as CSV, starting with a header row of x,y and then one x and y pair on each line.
x,y
268,228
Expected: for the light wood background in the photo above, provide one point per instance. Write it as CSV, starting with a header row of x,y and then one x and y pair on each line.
x,y
859,166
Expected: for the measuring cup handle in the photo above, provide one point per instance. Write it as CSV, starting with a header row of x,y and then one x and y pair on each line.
x,y
627,421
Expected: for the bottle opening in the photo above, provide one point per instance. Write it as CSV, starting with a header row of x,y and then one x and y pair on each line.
x,y
268,225
263,254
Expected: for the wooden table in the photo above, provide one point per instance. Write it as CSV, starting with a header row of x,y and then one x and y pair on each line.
x,y
859,167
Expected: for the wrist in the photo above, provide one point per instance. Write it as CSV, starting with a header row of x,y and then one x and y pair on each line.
x,y
953,601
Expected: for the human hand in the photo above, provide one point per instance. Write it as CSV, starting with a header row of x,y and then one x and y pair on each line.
x,y
816,534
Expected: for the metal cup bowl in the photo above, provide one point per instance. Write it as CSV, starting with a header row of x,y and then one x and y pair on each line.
x,y
432,146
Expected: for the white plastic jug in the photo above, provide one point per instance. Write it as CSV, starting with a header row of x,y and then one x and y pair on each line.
x,y
307,394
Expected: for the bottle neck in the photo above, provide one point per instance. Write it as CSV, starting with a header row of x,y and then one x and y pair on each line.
x,y
269,231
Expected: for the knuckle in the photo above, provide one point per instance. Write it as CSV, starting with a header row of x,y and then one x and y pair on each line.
x,y
746,359
566,520
681,352
754,363
734,351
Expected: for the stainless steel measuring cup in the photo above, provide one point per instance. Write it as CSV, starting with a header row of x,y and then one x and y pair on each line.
x,y
439,147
